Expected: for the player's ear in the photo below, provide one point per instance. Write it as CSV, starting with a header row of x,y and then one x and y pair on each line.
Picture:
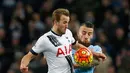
x,y
55,22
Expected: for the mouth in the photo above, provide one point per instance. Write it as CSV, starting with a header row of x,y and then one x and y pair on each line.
x,y
65,29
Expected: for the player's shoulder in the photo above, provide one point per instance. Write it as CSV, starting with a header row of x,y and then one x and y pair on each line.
x,y
68,32
44,36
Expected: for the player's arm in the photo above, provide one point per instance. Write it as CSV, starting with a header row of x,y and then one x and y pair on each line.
x,y
25,61
99,56
95,62
95,54
36,49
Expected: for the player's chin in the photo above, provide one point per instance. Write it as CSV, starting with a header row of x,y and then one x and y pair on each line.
x,y
64,32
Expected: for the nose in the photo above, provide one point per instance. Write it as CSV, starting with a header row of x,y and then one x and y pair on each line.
x,y
66,25
86,36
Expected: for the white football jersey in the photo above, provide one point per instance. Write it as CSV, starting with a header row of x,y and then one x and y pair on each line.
x,y
56,49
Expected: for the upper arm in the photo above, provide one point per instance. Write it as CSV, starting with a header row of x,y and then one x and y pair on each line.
x,y
40,46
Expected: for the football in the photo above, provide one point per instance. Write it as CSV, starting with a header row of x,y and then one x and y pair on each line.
x,y
83,57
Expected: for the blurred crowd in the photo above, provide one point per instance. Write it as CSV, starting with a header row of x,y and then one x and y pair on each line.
x,y
22,22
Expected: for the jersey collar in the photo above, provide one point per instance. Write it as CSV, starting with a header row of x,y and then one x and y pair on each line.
x,y
55,33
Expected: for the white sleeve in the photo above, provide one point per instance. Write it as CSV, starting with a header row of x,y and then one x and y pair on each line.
x,y
40,46
71,36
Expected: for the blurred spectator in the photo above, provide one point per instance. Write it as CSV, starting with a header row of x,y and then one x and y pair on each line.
x,y
111,26
48,22
118,40
99,11
89,16
6,53
74,24
123,61
103,40
107,20
68,4
19,12
33,32
1,20
38,25
15,29
124,16
9,3
28,12
46,9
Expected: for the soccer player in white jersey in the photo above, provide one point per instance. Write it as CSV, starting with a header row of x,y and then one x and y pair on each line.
x,y
55,45
84,35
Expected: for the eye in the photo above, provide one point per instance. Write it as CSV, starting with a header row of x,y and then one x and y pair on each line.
x,y
84,32
90,33
64,22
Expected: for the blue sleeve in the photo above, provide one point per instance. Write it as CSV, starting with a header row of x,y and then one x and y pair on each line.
x,y
73,52
95,48
98,49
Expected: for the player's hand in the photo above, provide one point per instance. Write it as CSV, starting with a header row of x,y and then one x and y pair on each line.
x,y
102,56
99,56
23,68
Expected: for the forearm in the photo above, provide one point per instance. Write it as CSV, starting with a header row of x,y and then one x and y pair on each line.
x,y
99,56
95,62
26,59
95,54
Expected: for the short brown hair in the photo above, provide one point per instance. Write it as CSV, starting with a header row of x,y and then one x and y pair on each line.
x,y
58,12
88,24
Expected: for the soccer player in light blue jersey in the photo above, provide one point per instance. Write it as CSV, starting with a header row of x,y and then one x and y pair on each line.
x,y
84,35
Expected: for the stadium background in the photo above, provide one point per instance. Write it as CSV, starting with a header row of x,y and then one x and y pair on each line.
x,y
22,22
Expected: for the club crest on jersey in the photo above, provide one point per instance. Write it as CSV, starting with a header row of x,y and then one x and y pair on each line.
x,y
66,37
63,51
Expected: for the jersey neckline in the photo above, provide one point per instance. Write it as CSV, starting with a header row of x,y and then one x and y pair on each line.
x,y
55,33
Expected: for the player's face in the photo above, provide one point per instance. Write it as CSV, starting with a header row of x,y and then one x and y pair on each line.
x,y
63,24
85,34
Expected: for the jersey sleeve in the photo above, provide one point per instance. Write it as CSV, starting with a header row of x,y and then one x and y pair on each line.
x,y
71,36
98,49
73,52
39,46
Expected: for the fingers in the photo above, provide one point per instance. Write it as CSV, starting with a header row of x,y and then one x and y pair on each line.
x,y
103,56
23,69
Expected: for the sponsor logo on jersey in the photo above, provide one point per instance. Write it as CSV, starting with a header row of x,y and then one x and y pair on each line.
x,y
64,51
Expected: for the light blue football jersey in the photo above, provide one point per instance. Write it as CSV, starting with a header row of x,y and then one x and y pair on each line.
x,y
95,48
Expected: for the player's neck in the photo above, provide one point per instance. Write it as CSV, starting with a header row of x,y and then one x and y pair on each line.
x,y
55,31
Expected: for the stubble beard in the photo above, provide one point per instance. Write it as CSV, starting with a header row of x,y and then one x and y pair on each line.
x,y
61,32
87,43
